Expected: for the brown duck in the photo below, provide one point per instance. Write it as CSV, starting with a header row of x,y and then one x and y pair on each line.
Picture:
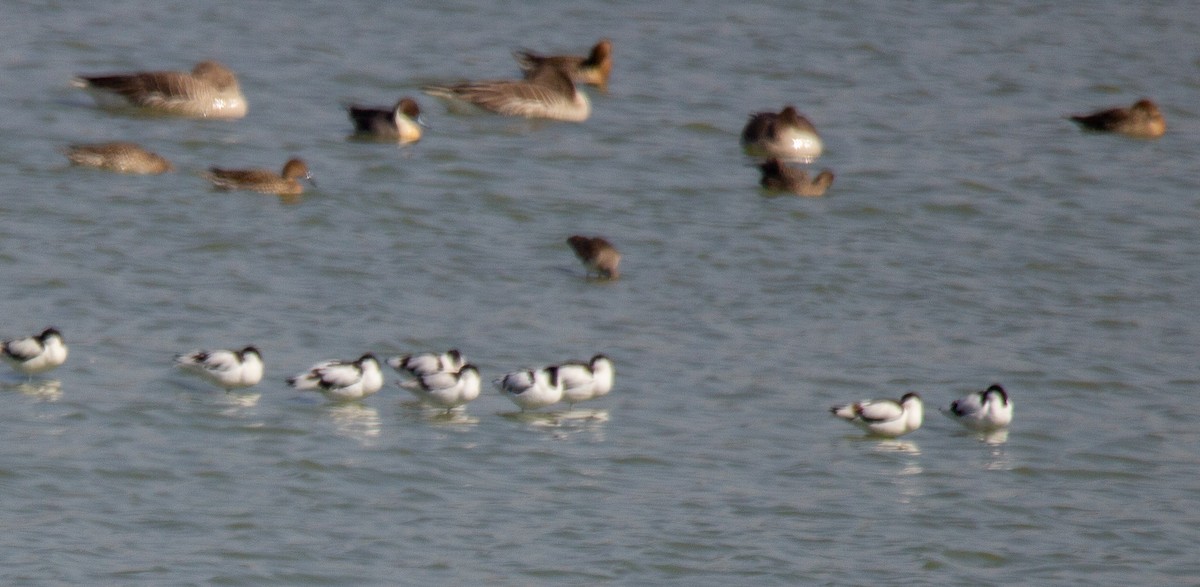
x,y
593,69
778,177
263,180
121,157
596,254
210,90
1142,120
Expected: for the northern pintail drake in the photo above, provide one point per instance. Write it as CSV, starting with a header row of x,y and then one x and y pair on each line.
x,y
547,92
1142,120
419,364
884,417
987,410
586,381
596,254
263,180
447,390
787,135
121,157
210,90
401,123
36,354
778,176
531,389
342,380
593,69
227,369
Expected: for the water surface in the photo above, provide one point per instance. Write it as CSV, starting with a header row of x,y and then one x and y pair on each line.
x,y
973,236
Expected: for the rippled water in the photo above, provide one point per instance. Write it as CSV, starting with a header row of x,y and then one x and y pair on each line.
x,y
973,235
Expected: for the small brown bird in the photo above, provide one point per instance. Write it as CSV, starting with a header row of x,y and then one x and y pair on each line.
x,y
787,135
263,180
1143,120
593,69
596,254
210,90
401,123
779,177
118,156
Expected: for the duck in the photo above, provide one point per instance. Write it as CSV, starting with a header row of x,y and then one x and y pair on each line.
x,y
777,176
401,123
597,255
341,380
1142,120
592,69
884,417
119,156
985,411
227,369
547,92
264,181
210,90
33,355
787,135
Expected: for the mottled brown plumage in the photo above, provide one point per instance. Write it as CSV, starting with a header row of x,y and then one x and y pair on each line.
x,y
1141,120
121,157
546,93
263,180
787,135
210,90
596,254
780,177
593,69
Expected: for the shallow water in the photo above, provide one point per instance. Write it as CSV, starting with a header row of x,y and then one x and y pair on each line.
x,y
973,235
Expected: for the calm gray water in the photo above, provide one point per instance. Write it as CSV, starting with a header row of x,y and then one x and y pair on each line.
x,y
973,236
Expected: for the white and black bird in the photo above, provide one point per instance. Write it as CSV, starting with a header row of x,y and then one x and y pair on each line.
x,y
531,389
987,410
342,380
445,389
401,122
585,381
884,417
419,364
36,354
227,369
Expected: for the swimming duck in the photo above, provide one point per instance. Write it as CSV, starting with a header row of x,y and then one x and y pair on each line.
x,y
121,157
210,90
1142,120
